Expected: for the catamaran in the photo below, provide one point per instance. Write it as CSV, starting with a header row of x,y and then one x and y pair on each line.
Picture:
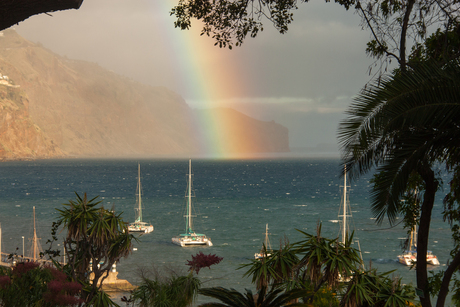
x,y
266,248
138,226
409,256
190,237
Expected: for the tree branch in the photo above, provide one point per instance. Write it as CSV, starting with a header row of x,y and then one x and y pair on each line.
x,y
402,45
446,280
15,11
369,25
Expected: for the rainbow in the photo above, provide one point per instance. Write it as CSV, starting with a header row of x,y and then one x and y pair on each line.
x,y
209,77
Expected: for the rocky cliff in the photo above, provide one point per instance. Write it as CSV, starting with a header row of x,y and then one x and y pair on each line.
x,y
19,136
52,106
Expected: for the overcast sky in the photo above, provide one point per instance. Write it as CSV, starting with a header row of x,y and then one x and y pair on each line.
x,y
304,79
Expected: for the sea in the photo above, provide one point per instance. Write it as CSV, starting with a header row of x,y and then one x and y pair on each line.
x,y
234,201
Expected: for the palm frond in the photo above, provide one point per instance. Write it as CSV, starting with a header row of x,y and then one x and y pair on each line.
x,y
399,124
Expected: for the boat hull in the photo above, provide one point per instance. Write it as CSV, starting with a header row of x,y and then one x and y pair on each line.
x,y
407,259
135,228
261,255
410,258
191,241
432,259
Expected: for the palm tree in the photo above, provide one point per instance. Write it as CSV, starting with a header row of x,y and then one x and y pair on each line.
x,y
275,268
315,266
369,288
96,239
326,260
361,289
404,123
275,297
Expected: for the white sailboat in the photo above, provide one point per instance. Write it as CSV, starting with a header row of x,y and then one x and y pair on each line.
x,y
345,214
36,247
138,226
190,237
266,248
344,208
409,256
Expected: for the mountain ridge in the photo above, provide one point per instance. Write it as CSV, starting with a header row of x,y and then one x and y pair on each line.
x,y
84,110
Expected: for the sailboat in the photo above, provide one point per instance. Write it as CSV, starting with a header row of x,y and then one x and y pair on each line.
x,y
265,248
344,207
138,226
36,247
344,211
190,237
409,256
345,214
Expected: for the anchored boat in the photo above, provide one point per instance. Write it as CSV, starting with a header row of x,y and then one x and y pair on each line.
x,y
266,248
409,256
344,232
138,226
190,237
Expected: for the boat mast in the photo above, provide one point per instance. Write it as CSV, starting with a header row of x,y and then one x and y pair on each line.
x,y
266,235
413,233
139,210
413,236
189,200
34,240
344,222
267,241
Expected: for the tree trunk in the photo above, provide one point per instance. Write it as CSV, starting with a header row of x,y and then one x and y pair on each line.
x,y
446,280
423,231
15,11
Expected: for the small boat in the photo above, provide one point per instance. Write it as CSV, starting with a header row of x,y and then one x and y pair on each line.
x,y
138,226
190,237
409,256
266,248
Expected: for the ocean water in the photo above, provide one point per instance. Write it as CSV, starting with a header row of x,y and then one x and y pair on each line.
x,y
234,201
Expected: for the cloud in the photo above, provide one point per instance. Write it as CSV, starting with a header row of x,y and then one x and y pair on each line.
x,y
320,104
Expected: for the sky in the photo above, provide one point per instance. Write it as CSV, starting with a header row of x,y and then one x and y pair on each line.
x,y
304,79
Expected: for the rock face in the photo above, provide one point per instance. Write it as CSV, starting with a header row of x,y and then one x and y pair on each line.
x,y
52,106
19,136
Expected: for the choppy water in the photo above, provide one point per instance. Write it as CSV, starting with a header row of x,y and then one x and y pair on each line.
x,y
234,201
